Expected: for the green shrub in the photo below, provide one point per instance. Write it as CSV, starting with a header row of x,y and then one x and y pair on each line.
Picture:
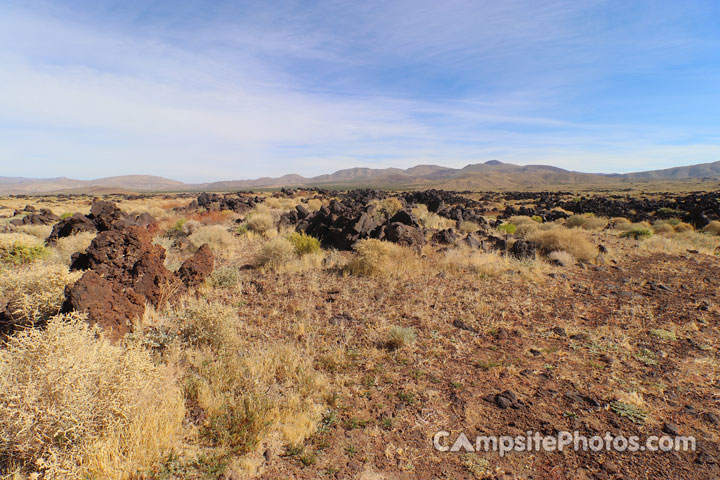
x,y
66,215
638,233
508,228
537,218
304,243
19,254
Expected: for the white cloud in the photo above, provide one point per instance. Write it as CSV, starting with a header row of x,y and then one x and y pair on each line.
x,y
240,101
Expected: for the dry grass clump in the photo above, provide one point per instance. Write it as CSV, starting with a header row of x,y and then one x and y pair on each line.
x,y
520,220
66,246
260,222
276,252
681,242
682,227
573,241
295,253
73,405
35,293
663,228
251,394
620,223
486,265
188,227
314,204
431,220
39,231
468,227
586,222
713,228
222,243
399,337
638,233
374,257
281,203
562,258
388,206
205,322
225,277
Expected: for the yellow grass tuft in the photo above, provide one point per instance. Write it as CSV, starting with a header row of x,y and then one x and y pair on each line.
x,y
73,405
574,242
35,293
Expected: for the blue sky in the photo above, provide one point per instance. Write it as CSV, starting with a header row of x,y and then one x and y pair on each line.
x,y
198,90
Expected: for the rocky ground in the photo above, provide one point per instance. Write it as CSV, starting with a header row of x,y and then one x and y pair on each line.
x,y
483,314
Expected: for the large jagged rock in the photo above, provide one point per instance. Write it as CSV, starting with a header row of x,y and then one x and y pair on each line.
x,y
103,216
107,216
45,217
197,268
523,250
107,303
70,226
232,201
445,237
405,235
130,258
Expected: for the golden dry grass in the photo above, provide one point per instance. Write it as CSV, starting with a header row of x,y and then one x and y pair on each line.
x,y
378,258
34,293
573,241
72,405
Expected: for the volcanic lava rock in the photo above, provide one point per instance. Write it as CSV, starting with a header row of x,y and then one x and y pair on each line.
x,y
404,217
45,217
445,237
106,216
70,226
107,303
130,258
472,241
236,202
404,235
523,249
197,268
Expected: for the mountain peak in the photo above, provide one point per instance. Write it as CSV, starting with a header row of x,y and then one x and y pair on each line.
x,y
493,162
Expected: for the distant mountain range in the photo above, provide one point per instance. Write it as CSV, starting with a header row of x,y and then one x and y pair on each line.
x,y
491,175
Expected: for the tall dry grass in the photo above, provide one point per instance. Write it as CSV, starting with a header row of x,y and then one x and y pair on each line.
x,y
35,293
73,405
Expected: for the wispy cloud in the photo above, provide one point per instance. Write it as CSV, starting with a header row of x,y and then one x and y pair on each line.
x,y
242,90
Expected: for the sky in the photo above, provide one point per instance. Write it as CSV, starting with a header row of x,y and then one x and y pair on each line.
x,y
201,91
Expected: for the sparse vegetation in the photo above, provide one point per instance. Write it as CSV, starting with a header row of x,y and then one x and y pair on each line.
x,y
295,360
638,233
304,244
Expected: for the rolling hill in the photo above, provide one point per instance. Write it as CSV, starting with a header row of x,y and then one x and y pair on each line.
x,y
480,176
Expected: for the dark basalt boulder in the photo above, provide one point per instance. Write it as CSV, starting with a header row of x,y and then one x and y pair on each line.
x,y
107,303
523,250
445,237
130,258
70,226
404,235
197,268
45,217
